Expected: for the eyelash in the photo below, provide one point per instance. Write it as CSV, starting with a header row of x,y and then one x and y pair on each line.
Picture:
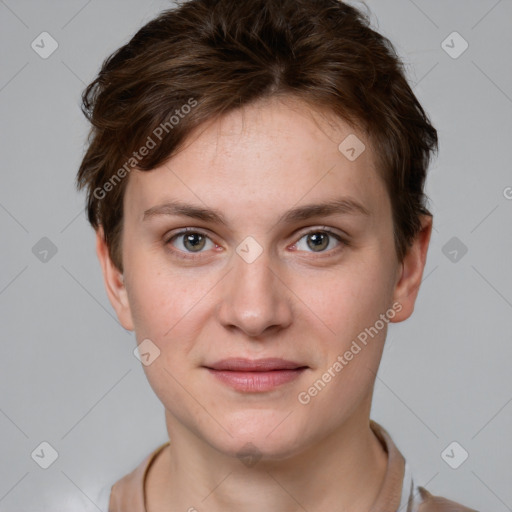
x,y
192,256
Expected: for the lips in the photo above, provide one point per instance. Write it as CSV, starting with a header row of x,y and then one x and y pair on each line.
x,y
256,375
255,365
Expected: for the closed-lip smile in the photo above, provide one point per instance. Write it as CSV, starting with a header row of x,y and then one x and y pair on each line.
x,y
255,375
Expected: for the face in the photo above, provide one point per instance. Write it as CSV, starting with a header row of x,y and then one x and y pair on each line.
x,y
262,244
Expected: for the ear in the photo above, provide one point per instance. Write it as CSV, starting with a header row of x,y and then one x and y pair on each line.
x,y
114,282
409,278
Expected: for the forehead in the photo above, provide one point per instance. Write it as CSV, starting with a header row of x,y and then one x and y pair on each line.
x,y
268,156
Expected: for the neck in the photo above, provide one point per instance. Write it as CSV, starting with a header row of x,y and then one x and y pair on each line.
x,y
343,471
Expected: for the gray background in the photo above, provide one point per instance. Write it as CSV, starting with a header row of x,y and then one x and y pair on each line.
x,y
68,374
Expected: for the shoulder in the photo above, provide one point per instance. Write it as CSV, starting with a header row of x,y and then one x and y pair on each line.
x,y
414,498
128,494
431,503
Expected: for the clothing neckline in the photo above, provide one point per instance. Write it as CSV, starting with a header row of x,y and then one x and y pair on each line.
x,y
129,493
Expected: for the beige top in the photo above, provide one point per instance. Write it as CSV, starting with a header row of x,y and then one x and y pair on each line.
x,y
398,492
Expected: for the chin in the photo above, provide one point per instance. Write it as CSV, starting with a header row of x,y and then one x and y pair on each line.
x,y
260,434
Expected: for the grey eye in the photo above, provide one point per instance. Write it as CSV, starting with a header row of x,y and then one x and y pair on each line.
x,y
190,241
318,241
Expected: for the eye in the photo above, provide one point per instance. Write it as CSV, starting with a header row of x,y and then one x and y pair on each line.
x,y
319,241
189,241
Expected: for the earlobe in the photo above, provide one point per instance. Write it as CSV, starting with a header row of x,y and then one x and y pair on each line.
x,y
409,281
114,282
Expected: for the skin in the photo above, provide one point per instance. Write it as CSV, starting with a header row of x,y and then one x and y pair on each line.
x,y
294,302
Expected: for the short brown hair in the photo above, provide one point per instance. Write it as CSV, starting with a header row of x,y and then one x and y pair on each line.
x,y
214,56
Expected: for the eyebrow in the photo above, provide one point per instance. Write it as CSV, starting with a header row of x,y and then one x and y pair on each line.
x,y
340,206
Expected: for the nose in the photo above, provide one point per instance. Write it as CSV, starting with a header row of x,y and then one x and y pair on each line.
x,y
254,298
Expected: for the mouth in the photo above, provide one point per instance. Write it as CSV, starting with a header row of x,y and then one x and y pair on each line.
x,y
258,375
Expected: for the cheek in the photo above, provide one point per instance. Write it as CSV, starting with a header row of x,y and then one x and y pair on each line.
x,y
170,307
348,299
156,298
166,311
